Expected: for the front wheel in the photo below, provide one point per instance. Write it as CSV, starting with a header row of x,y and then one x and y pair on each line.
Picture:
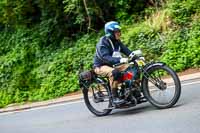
x,y
161,86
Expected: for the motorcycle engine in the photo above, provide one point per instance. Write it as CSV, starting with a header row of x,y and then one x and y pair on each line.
x,y
128,87
127,92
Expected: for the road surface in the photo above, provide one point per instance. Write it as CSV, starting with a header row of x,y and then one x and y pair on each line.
x,y
74,117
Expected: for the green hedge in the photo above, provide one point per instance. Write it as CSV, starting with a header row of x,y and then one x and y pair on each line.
x,y
183,48
30,72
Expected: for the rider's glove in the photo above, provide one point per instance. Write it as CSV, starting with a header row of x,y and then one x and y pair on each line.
x,y
135,53
124,60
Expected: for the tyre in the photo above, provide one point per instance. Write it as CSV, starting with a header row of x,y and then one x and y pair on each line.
x,y
161,86
96,98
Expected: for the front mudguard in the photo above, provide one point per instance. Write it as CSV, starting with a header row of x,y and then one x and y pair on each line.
x,y
152,64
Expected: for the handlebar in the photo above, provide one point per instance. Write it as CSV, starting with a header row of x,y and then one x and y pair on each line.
x,y
118,64
129,61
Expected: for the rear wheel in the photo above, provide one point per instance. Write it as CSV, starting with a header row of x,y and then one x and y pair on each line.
x,y
97,99
161,86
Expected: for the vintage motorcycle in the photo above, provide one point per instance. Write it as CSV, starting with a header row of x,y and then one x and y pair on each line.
x,y
154,82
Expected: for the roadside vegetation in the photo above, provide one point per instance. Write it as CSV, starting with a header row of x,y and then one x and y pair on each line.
x,y
42,43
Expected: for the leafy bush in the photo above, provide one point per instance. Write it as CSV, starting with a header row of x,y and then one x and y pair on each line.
x,y
183,50
30,72
181,11
142,36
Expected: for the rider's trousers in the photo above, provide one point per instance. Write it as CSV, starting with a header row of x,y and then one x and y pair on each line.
x,y
106,71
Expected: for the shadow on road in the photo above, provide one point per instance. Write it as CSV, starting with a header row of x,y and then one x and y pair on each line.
x,y
140,109
134,110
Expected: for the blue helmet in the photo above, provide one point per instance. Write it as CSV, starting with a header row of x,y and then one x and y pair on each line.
x,y
110,27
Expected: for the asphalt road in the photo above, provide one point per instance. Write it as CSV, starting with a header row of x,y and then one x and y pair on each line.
x,y
75,118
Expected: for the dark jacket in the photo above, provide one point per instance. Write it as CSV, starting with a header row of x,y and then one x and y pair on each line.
x,y
104,51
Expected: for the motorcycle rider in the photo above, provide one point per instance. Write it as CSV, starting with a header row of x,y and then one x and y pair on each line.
x,y
108,53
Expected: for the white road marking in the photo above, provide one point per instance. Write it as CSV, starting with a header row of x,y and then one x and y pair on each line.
x,y
43,107
195,82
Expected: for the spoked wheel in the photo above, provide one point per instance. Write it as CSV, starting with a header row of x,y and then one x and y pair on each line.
x,y
161,86
96,98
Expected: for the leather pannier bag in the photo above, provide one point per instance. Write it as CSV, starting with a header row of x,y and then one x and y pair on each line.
x,y
86,78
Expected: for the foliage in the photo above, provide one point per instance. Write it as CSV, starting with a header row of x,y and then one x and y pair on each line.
x,y
183,50
142,36
31,73
181,11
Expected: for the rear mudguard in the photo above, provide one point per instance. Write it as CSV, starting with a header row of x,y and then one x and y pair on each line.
x,y
85,85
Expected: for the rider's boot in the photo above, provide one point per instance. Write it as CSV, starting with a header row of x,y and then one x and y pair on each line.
x,y
116,99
